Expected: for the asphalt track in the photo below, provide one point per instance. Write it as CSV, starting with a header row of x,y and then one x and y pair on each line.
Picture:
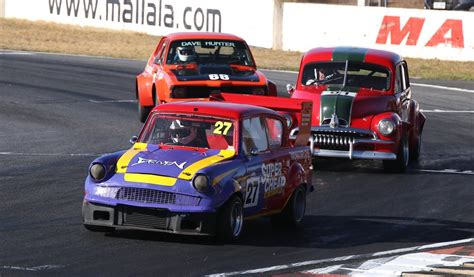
x,y
59,112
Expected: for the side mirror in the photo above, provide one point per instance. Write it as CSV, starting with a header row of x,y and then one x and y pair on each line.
x,y
133,140
254,151
157,60
290,89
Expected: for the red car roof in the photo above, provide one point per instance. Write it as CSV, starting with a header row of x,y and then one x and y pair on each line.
x,y
217,109
202,35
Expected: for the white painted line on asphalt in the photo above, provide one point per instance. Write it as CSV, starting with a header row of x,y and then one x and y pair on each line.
x,y
113,101
447,171
35,268
50,154
445,111
15,53
443,87
345,258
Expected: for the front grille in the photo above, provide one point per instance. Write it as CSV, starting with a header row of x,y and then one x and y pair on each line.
x,y
151,196
338,139
141,217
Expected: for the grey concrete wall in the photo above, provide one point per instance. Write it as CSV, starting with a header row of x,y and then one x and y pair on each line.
x,y
277,43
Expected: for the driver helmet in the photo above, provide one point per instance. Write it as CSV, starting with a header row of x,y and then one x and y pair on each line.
x,y
182,134
186,53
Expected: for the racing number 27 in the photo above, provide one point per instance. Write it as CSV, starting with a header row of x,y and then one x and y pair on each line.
x,y
222,128
251,195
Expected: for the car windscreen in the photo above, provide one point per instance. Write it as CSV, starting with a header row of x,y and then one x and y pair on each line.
x,y
191,131
359,74
209,51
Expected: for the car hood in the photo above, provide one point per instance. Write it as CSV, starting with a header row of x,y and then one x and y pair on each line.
x,y
353,107
171,162
215,72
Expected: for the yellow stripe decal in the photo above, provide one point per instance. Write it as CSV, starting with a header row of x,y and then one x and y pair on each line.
x,y
189,172
123,162
222,176
150,179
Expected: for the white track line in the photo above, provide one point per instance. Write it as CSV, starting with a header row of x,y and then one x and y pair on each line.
x,y
445,111
443,87
113,101
35,268
447,171
50,154
345,258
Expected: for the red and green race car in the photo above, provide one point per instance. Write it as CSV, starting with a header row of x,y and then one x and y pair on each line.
x,y
202,167
195,66
363,106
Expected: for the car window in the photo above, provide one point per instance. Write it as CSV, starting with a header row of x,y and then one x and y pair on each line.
x,y
406,79
398,79
254,135
275,132
359,74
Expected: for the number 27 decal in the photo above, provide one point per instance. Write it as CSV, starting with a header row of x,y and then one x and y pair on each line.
x,y
251,193
214,77
222,128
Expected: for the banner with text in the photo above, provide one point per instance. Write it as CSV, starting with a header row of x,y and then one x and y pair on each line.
x,y
430,34
156,17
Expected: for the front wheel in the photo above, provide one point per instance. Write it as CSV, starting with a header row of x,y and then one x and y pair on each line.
x,y
143,111
416,149
231,219
401,163
293,214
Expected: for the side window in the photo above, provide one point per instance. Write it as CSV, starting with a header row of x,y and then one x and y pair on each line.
x,y
398,79
406,79
161,54
254,135
275,132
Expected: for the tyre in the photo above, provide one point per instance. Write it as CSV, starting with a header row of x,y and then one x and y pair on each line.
x,y
400,164
95,228
293,214
231,219
416,149
143,111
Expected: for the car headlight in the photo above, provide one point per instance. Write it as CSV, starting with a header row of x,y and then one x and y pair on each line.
x,y
386,127
201,183
97,171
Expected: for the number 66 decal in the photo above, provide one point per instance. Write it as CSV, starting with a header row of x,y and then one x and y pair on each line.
x,y
214,77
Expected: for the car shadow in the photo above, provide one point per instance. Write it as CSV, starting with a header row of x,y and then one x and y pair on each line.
x,y
329,232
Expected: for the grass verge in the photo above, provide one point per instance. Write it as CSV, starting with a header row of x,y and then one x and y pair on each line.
x,y
51,37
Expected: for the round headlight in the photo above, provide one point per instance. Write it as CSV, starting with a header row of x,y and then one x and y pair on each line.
x,y
97,172
386,127
201,183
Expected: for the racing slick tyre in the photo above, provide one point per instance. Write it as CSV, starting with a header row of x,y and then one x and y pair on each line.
x,y
95,228
401,163
143,111
231,219
416,149
293,213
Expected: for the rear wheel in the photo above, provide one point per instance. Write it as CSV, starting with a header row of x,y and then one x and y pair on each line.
x,y
294,211
401,163
231,219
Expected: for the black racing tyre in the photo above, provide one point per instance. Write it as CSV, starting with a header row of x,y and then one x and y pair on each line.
x,y
293,214
231,219
401,163
95,228
416,149
143,111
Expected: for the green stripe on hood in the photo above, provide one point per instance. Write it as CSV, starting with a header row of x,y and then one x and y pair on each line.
x,y
349,53
337,102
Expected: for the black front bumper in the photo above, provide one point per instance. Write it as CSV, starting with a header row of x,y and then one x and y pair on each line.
x,y
149,219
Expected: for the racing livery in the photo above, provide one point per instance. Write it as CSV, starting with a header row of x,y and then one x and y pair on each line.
x,y
362,105
196,65
201,167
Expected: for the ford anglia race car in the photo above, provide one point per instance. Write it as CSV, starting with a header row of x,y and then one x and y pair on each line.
x,y
363,106
201,167
196,65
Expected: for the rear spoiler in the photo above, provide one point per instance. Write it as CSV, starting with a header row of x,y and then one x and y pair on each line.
x,y
300,108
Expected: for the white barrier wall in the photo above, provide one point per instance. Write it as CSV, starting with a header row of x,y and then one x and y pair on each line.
x,y
445,35
252,20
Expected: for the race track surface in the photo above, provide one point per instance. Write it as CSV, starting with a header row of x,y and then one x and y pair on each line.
x,y
57,113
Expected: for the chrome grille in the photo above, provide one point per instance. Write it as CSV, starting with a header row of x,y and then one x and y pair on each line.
x,y
338,139
151,196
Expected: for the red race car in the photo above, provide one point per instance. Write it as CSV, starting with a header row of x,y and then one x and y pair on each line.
x,y
362,105
196,65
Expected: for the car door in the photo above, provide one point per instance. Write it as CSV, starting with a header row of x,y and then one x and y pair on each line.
x,y
402,92
266,168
